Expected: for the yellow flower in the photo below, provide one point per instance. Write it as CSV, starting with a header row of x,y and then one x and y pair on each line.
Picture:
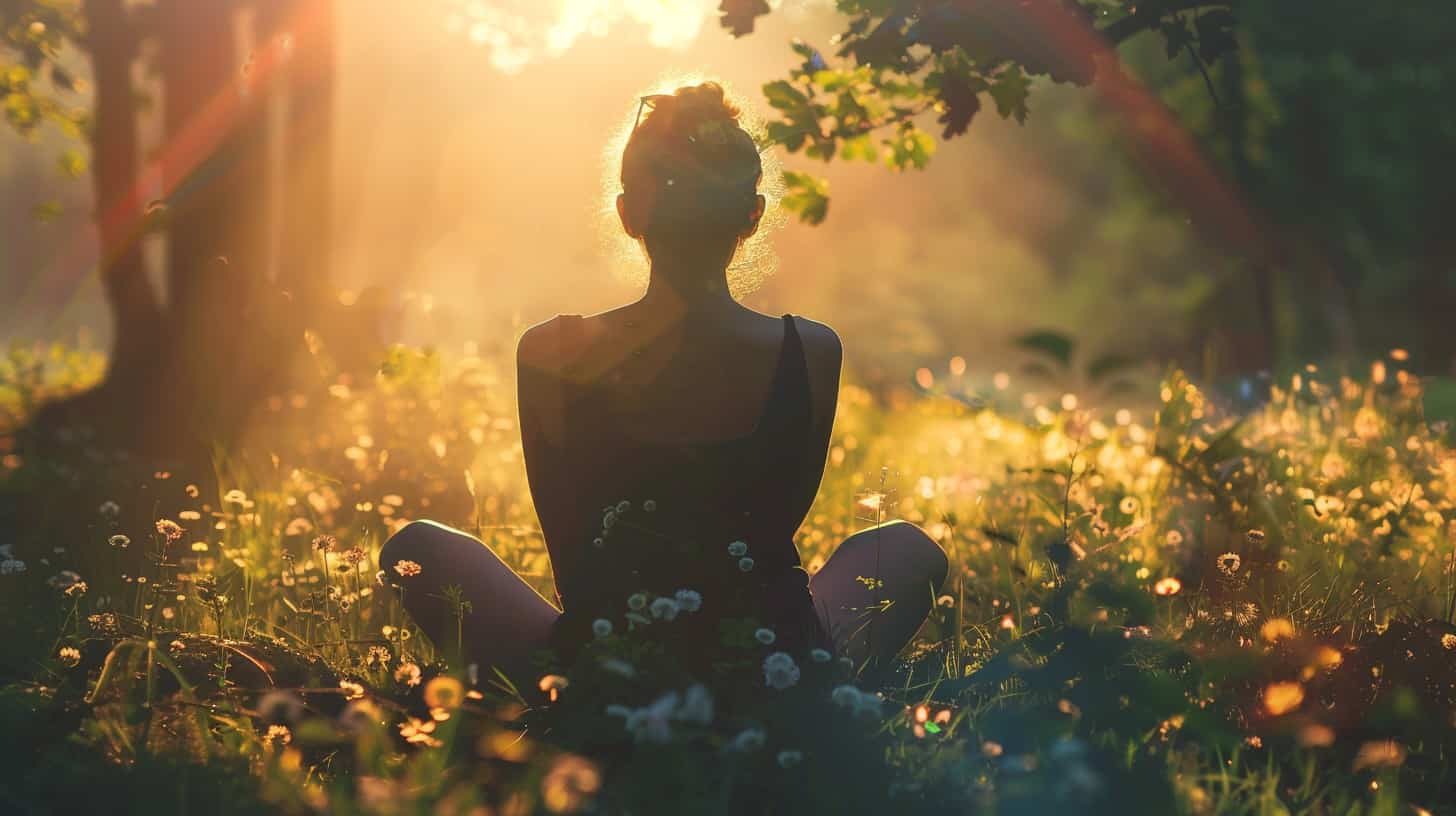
x,y
444,692
1168,586
1283,697
1277,629
408,569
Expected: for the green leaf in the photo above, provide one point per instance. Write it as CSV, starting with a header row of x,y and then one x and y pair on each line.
x,y
860,147
782,95
1010,90
738,16
72,163
1056,345
47,211
807,196
912,147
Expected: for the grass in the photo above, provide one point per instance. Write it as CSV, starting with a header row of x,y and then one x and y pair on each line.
x,y
1163,609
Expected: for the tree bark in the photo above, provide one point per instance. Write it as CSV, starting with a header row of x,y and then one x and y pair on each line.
x,y
120,212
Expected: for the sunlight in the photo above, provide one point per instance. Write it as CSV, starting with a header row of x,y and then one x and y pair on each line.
x,y
521,32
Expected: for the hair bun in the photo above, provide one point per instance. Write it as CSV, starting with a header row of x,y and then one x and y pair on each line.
x,y
703,103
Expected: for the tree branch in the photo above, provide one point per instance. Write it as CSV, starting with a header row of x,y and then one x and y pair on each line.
x,y
1140,21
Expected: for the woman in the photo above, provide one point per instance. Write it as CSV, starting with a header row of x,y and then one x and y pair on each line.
x,y
677,442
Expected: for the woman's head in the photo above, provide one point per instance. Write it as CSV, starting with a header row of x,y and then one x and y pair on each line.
x,y
690,174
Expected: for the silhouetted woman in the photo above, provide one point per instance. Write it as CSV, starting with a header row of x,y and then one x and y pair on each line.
x,y
677,442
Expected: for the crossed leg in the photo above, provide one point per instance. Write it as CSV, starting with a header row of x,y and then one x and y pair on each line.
x,y
871,595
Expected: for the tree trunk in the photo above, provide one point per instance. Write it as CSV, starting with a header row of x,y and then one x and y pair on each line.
x,y
120,212
215,165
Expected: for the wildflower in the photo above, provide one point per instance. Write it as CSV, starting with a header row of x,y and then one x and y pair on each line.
x,y
749,739
688,600
378,655
1128,505
737,549
553,685
119,541
664,608
169,529
1448,641
1168,586
1229,563
407,673
325,543
649,505
352,690
1246,613
279,707
1283,697
1174,538
110,509
407,568
418,732
279,734
1277,629
569,783
820,655
858,702
12,566
765,636
1255,537
360,715
69,656
637,601
745,564
444,692
1379,754
601,627
104,623
789,758
353,556
653,722
697,705
780,671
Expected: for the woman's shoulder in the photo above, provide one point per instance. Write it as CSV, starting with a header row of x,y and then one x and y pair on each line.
x,y
548,344
821,343
817,334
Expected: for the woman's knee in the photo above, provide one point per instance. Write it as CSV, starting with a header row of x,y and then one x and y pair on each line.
x,y
917,545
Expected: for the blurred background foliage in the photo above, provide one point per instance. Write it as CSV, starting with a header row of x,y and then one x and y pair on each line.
x,y
460,139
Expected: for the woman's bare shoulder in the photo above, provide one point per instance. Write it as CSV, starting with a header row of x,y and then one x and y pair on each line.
x,y
821,342
550,344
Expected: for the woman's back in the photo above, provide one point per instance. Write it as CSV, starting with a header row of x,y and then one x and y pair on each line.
x,y
703,433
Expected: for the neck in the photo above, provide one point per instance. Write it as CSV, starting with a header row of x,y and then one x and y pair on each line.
x,y
693,283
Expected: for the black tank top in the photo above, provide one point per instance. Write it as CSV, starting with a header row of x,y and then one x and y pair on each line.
x,y
681,508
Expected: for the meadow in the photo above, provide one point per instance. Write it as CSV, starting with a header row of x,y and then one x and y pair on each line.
x,y
1159,606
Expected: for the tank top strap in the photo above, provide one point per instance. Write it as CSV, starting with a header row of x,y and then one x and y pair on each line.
x,y
789,410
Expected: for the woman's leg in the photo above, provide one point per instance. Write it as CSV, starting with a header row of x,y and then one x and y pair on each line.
x,y
507,622
876,589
